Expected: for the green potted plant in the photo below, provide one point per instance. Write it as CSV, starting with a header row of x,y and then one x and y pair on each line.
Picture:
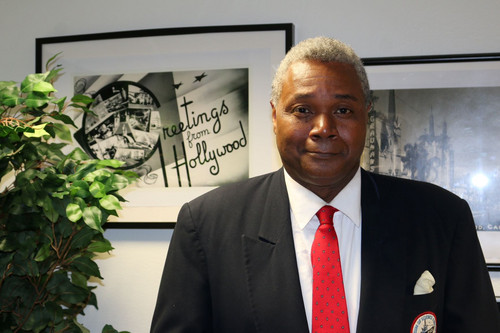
x,y
53,205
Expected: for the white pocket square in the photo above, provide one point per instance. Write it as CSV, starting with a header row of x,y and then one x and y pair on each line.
x,y
424,284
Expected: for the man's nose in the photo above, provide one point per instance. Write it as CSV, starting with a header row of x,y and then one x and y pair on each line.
x,y
324,126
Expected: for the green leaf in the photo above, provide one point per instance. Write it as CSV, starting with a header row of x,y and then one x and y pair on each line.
x,y
117,182
34,110
36,100
60,204
74,212
82,328
80,201
111,329
49,210
39,131
56,313
71,164
82,171
60,195
86,266
98,174
6,151
44,87
83,238
34,121
53,73
53,181
92,216
49,64
110,163
9,94
31,81
7,84
80,188
25,177
79,279
62,132
78,154
83,99
61,285
15,286
37,320
93,300
60,103
43,253
97,189
65,228
101,247
24,266
69,325
132,176
64,118
110,202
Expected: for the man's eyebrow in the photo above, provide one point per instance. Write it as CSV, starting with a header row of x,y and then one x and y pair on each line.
x,y
302,96
305,96
346,96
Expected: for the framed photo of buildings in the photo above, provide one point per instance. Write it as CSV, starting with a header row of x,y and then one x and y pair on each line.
x,y
436,119
186,108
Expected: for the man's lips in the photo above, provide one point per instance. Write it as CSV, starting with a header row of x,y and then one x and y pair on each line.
x,y
322,154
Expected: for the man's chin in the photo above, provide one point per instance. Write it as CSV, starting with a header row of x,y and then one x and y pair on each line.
x,y
328,178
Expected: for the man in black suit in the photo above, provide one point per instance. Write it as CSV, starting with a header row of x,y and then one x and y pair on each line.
x,y
239,259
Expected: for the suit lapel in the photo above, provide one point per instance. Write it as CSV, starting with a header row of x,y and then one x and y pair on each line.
x,y
271,267
383,258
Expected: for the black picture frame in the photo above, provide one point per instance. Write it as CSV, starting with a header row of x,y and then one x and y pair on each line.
x,y
433,75
263,46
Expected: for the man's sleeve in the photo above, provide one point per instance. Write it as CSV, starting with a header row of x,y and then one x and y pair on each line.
x,y
183,303
470,302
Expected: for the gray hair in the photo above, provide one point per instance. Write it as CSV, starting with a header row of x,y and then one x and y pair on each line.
x,y
322,49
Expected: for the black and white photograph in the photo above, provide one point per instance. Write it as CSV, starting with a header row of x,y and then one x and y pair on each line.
x,y
176,129
443,136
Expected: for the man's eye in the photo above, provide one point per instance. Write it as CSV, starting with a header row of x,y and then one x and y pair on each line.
x,y
343,111
301,109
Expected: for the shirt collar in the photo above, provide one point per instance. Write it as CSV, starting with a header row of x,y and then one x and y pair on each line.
x,y
304,204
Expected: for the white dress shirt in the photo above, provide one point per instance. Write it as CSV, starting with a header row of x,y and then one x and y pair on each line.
x,y
347,222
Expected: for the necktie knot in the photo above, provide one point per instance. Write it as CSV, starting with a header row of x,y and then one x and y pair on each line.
x,y
325,214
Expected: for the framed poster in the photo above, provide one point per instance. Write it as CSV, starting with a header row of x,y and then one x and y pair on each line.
x,y
435,119
186,108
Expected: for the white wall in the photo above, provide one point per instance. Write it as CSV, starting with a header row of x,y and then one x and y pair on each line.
x,y
374,28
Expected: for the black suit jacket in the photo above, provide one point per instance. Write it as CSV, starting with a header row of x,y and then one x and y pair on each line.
x,y
231,264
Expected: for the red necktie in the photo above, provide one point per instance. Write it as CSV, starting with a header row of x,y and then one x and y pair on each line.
x,y
329,304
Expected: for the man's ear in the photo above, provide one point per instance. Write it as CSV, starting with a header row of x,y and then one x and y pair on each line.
x,y
274,116
369,107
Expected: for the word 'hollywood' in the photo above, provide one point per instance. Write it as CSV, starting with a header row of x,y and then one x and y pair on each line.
x,y
204,154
